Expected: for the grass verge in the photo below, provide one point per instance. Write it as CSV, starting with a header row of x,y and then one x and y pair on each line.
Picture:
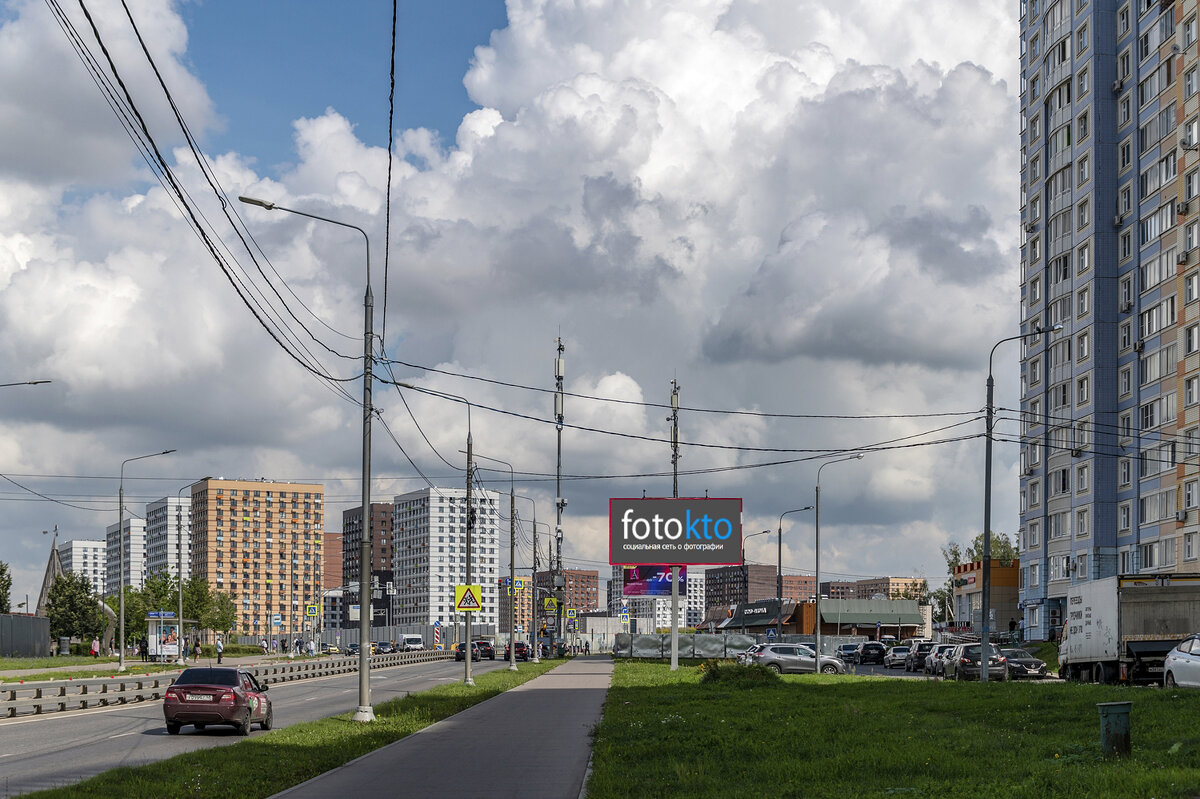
x,y
272,762
863,737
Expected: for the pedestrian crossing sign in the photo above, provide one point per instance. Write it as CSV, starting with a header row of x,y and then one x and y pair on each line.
x,y
467,598
571,613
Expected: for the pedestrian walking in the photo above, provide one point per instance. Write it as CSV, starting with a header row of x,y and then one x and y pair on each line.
x,y
264,646
587,647
220,649
95,647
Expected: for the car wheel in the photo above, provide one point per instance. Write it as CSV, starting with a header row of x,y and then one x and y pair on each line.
x,y
268,719
775,667
829,668
1170,681
173,727
958,676
243,727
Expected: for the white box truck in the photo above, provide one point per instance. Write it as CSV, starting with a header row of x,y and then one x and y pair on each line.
x,y
1119,629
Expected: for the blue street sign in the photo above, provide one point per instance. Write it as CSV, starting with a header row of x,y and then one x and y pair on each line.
x,y
770,632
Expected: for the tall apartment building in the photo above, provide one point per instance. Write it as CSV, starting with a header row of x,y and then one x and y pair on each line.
x,y
134,543
1110,216
429,557
582,590
260,542
733,585
168,537
520,602
382,551
889,587
87,557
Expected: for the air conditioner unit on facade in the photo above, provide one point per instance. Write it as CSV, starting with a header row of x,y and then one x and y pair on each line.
x,y
1139,345
1077,453
1117,220
1030,227
1181,207
1126,306
1182,258
1118,84
1181,515
1029,471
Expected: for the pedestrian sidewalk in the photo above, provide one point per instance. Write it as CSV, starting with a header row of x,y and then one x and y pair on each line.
x,y
533,741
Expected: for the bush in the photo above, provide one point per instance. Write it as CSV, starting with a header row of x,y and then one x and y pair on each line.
x,y
729,672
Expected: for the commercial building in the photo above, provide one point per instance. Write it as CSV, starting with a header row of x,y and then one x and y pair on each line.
x,y
733,585
260,542
1110,220
168,537
86,557
430,555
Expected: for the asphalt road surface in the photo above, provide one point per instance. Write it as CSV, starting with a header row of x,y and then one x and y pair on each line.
x,y
61,749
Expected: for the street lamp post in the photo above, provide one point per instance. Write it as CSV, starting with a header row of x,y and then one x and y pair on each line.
x,y
121,551
985,627
512,555
779,573
364,711
533,606
817,545
746,573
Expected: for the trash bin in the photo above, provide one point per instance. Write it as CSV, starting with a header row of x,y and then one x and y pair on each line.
x,y
64,645
1114,728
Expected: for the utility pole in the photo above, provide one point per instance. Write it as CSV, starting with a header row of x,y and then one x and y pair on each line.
x,y
470,533
560,502
674,420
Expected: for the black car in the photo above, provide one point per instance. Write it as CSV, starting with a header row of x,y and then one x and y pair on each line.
x,y
1023,664
869,652
486,650
460,652
915,660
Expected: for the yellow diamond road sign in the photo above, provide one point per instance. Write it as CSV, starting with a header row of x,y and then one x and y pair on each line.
x,y
468,598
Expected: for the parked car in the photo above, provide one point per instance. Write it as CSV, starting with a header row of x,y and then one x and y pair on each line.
x,y
329,649
460,652
919,650
846,652
747,656
869,652
1023,664
963,663
1181,666
486,649
383,647
523,652
217,695
795,659
895,657
935,661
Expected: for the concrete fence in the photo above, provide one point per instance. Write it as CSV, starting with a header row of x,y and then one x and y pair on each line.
x,y
56,696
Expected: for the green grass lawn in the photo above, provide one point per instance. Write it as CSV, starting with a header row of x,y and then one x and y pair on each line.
x,y
269,763
817,736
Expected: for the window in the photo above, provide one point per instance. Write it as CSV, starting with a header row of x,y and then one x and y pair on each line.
x,y
1124,471
1034,46
1083,259
1125,154
1191,390
1082,479
1081,561
1190,497
1082,391
1191,287
1033,574
1125,110
1035,371
1082,347
1190,235
1125,381
1035,538
1035,168
1123,21
1189,83
1126,201
1081,523
1083,215
1082,302
1191,339
1189,31
1126,247
1082,127
1083,171
1124,516
1081,39
1035,290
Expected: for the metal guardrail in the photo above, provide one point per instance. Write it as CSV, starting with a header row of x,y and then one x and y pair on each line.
x,y
57,696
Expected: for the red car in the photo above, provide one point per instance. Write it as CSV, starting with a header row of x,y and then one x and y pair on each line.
x,y
522,651
206,695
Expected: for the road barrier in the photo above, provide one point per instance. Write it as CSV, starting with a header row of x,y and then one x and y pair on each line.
x,y
56,696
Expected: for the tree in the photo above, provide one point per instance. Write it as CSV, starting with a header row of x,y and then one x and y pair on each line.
x,y
918,591
942,602
1003,552
197,599
74,608
159,592
135,613
6,589
222,613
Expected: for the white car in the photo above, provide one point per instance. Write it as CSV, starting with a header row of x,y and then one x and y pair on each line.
x,y
1181,667
747,657
895,657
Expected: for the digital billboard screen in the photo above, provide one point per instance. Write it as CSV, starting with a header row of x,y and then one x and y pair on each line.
x,y
651,580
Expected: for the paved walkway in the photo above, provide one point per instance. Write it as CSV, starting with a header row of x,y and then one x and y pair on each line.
x,y
533,741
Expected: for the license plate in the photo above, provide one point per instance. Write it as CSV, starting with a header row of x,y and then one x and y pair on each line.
x,y
197,697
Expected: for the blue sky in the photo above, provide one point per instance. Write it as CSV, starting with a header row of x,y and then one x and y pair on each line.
x,y
267,63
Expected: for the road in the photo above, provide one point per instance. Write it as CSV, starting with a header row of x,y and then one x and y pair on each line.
x,y
64,748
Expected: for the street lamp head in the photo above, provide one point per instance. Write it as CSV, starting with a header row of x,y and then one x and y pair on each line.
x,y
255,201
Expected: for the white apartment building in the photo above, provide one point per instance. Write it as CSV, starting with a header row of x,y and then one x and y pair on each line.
x,y
168,536
87,557
691,605
429,528
135,556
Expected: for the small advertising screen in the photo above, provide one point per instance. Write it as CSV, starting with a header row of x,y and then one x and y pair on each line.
x,y
651,580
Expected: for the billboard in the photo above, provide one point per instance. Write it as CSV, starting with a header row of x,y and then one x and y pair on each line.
x,y
651,581
694,530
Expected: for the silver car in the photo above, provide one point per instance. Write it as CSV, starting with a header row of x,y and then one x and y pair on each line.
x,y
1182,664
895,657
745,657
794,659
935,661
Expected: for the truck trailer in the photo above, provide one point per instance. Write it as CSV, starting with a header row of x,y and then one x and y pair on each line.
x,y
1119,629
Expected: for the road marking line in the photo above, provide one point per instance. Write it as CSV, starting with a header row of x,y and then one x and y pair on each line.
x,y
123,734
